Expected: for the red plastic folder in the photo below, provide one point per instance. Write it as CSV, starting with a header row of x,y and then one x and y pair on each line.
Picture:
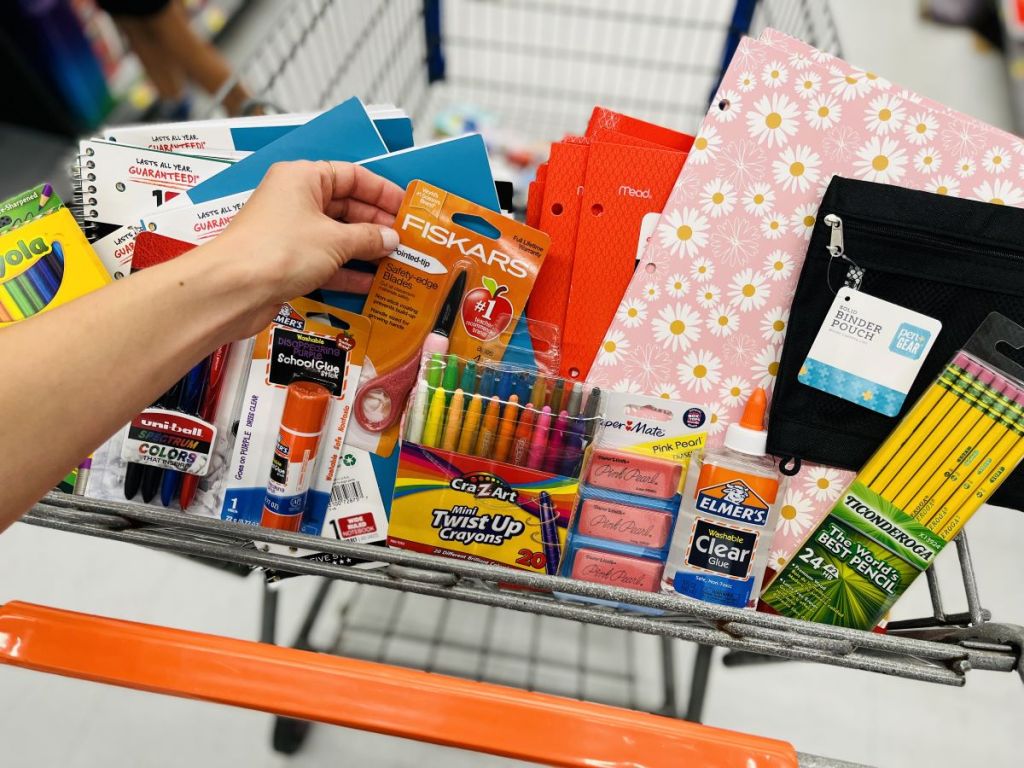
x,y
535,196
641,129
152,249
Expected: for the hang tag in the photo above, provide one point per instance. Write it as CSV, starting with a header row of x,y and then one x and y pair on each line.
x,y
869,351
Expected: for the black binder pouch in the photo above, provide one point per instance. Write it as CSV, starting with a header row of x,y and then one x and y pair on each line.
x,y
950,259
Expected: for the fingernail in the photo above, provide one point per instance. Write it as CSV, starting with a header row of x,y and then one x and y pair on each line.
x,y
389,238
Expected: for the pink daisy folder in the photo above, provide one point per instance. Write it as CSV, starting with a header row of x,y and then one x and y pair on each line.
x,y
706,312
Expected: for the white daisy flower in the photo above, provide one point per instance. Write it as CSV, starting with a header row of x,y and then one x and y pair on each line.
x,y
848,85
882,160
766,366
821,57
613,348
945,185
877,81
797,168
795,514
759,198
676,286
779,264
651,292
999,192
772,120
683,232
799,61
965,167
708,295
773,226
734,241
728,106
746,82
742,162
740,348
777,559
702,269
666,391
774,75
927,160
774,324
699,371
997,160
807,85
705,146
823,483
718,198
841,142
823,112
676,326
748,290
723,320
628,386
735,390
802,221
631,312
648,365
716,416
884,114
921,128
960,137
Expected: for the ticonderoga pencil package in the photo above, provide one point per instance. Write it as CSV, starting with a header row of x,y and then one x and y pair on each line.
x,y
957,444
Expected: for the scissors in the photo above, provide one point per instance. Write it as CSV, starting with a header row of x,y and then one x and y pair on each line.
x,y
378,403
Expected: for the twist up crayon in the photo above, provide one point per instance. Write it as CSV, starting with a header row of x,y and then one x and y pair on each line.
x,y
418,415
591,412
453,424
556,444
471,425
435,370
575,400
488,428
504,388
573,455
556,395
550,544
539,441
539,394
450,379
523,382
468,381
435,419
506,429
486,388
523,435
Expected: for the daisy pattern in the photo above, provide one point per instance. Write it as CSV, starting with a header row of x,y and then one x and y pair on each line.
x,y
743,162
748,290
884,114
723,321
699,371
803,219
730,104
766,366
683,232
666,391
823,112
739,349
613,349
960,137
628,386
848,85
773,226
774,324
945,185
777,559
702,269
927,160
746,82
779,264
965,167
807,85
876,81
648,365
772,120
881,160
774,75
734,241
799,61
797,168
996,160
823,483
921,128
708,295
632,312
651,292
717,198
676,326
735,390
676,286
795,515
759,198
716,421
999,192
705,146
841,142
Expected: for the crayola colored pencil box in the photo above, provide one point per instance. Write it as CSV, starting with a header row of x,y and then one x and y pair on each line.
x,y
956,445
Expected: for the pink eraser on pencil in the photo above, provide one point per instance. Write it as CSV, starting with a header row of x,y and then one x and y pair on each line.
x,y
624,522
617,570
632,473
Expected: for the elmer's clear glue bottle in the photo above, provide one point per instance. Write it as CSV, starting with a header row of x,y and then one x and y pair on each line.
x,y
727,517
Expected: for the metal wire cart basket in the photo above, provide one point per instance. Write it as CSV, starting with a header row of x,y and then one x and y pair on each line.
x,y
537,67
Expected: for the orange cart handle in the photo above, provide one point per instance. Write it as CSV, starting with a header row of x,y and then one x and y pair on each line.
x,y
373,697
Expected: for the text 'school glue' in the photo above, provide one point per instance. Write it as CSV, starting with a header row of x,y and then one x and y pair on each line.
x,y
727,517
291,469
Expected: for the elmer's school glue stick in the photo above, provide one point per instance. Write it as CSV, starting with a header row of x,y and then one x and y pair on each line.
x,y
727,517
291,469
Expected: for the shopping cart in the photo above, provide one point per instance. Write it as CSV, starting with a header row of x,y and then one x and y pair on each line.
x,y
532,69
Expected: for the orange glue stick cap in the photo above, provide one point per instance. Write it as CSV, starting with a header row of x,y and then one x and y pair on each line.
x,y
748,435
305,407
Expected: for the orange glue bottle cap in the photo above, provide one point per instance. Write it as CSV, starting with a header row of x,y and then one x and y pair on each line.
x,y
749,435
305,407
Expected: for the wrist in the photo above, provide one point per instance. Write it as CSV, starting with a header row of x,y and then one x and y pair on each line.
x,y
230,289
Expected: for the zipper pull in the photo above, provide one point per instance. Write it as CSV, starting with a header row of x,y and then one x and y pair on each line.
x,y
835,243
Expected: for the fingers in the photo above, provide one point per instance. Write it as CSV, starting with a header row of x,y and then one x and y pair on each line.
x,y
366,242
350,281
356,182
356,211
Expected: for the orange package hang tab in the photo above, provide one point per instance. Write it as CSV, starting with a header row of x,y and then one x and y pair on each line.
x,y
457,283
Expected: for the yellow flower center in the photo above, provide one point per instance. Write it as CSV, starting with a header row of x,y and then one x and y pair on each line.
x,y
822,111
997,201
788,512
664,396
708,295
943,190
723,320
884,114
773,368
700,371
823,483
965,167
701,143
808,220
997,160
677,327
796,169
880,163
774,225
758,199
735,392
808,84
927,160
631,312
778,326
921,128
851,79
775,74
870,75
778,266
773,120
749,290
685,232
702,269
677,285
609,346
718,198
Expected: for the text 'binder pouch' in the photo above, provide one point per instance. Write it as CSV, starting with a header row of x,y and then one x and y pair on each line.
x,y
924,256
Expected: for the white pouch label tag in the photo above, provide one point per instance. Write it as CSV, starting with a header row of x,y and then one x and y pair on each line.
x,y
869,351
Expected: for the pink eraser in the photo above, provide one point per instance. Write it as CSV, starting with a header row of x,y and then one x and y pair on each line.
x,y
617,570
624,522
632,473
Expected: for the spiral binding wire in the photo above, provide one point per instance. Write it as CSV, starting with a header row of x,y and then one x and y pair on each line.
x,y
83,178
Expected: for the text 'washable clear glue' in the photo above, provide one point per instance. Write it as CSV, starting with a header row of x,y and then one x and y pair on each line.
x,y
727,517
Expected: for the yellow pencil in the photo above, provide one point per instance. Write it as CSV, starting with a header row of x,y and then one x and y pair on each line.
x,y
453,425
470,425
488,428
435,418
507,429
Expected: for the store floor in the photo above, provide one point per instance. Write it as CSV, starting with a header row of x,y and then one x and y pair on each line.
x,y
46,720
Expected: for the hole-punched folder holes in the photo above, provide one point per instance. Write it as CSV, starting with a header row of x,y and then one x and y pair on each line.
x,y
557,209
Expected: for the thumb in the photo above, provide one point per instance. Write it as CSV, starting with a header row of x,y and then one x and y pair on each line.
x,y
366,242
